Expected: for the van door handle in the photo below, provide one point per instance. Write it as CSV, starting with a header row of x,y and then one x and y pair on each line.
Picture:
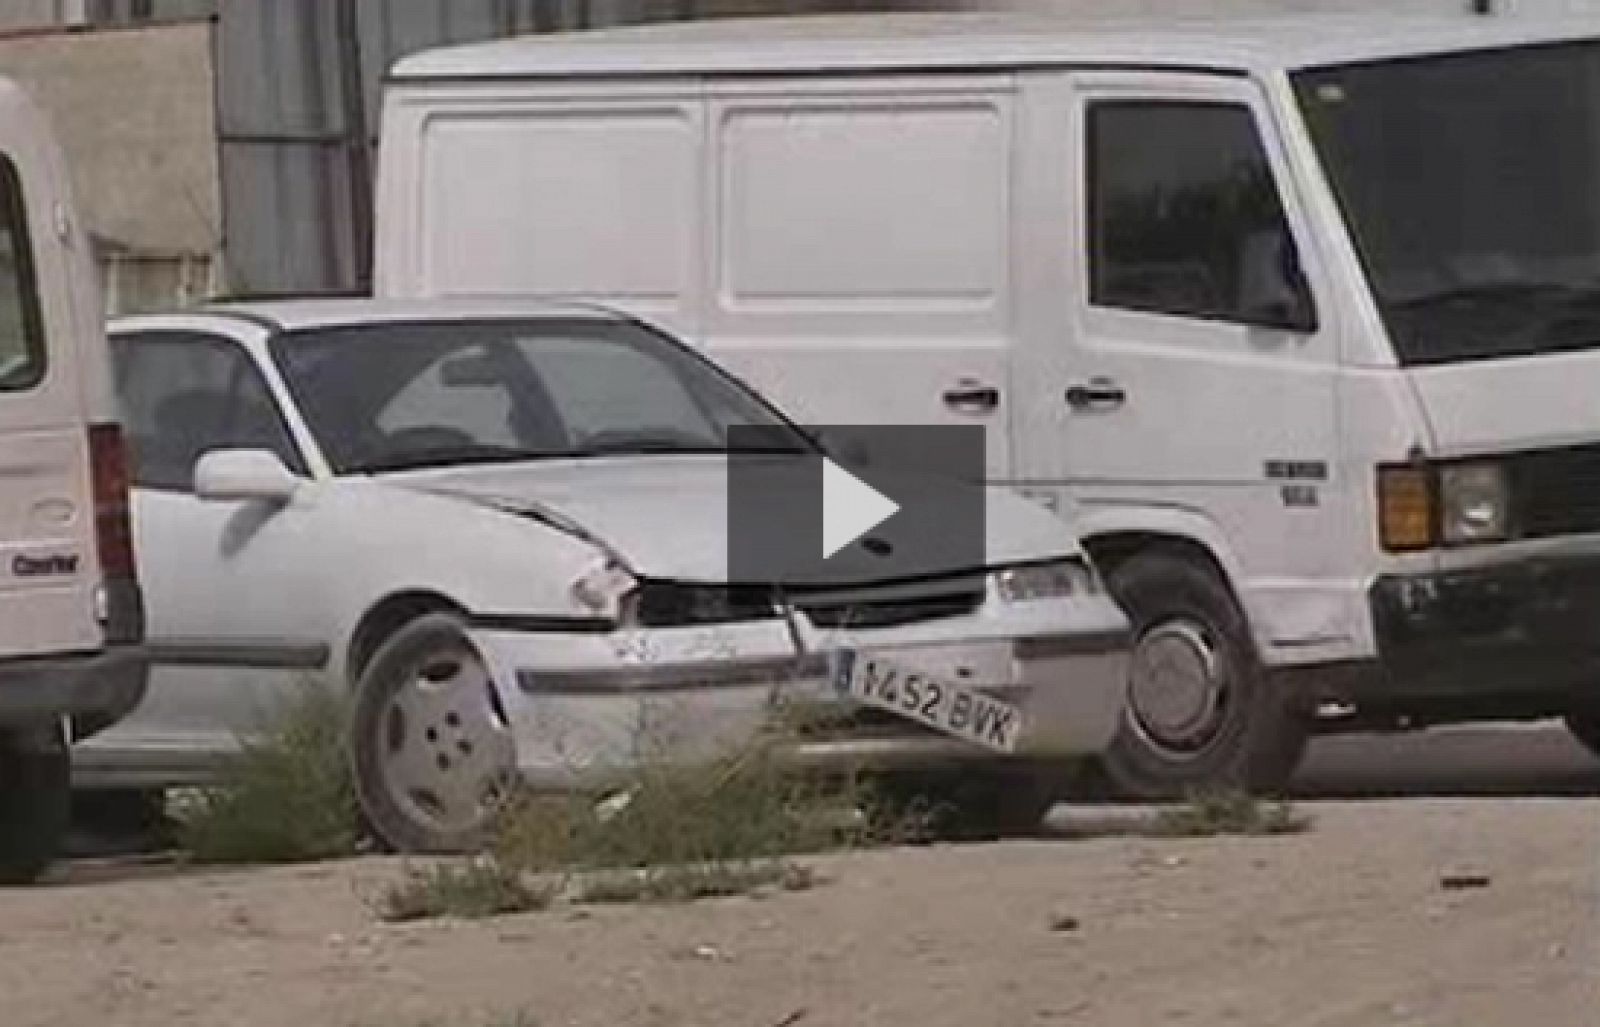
x,y
972,398
1096,394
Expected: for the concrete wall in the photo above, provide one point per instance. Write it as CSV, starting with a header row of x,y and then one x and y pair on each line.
x,y
135,114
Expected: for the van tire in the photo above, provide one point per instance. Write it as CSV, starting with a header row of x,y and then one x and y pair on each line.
x,y
1212,718
35,800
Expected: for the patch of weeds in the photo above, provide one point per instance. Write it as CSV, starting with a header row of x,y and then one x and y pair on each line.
x,y
1208,814
678,830
470,889
288,797
682,832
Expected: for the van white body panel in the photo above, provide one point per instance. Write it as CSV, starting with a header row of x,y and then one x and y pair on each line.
x,y
48,563
868,219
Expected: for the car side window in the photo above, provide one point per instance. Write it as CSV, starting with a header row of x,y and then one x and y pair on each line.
x,y
1185,217
22,348
184,395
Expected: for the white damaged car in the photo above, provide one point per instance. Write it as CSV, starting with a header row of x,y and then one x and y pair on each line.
x,y
503,528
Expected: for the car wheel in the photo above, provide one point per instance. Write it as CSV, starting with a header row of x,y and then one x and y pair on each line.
x,y
1201,712
35,800
435,760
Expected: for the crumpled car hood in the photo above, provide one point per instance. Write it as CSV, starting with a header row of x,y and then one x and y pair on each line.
x,y
666,516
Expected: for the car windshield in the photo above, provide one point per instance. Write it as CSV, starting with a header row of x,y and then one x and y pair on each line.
x,y
393,397
1469,182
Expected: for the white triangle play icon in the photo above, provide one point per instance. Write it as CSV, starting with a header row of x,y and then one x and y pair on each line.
x,y
850,508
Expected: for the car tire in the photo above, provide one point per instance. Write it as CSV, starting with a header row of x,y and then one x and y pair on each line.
x,y
1202,712
433,753
35,800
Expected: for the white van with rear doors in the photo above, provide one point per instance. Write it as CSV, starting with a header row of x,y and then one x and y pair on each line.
x,y
1297,318
71,619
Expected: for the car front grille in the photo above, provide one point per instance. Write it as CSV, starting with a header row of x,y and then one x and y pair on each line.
x,y
1555,491
893,606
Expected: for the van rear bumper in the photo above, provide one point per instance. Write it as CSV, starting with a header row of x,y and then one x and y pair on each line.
x,y
1515,640
96,689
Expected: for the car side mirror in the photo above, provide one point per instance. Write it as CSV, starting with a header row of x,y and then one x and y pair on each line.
x,y
244,474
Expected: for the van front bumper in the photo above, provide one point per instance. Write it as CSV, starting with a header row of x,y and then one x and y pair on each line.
x,y
1513,639
95,689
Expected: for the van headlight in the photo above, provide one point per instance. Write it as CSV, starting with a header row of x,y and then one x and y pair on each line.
x,y
1045,581
1475,503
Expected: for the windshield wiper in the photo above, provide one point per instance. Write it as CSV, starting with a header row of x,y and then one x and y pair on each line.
x,y
422,459
1507,292
678,449
1499,319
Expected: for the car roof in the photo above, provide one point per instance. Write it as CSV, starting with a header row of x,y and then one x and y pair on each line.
x,y
929,42
325,312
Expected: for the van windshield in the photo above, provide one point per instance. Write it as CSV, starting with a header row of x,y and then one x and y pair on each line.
x,y
1471,185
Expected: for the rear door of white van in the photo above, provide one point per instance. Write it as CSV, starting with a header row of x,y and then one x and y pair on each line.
x,y
49,568
859,248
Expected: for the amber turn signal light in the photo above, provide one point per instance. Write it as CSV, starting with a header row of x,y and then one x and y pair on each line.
x,y
1406,508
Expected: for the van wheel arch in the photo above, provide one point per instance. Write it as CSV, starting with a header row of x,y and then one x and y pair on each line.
x,y
1234,725
1113,549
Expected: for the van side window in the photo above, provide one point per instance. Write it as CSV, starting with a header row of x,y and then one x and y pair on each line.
x,y
183,396
1185,218
22,350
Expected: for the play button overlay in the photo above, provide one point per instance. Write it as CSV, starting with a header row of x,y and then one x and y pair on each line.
x,y
850,508
875,504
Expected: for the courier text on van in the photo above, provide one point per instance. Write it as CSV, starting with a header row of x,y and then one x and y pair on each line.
x,y
1295,321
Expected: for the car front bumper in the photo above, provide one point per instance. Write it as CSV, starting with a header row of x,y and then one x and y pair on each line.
x,y
586,708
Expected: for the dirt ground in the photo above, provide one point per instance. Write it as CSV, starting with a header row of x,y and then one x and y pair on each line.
x,y
1348,925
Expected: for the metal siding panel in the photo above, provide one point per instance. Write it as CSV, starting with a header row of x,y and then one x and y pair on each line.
x,y
288,218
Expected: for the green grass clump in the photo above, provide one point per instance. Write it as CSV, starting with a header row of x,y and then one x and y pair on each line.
x,y
471,889
288,797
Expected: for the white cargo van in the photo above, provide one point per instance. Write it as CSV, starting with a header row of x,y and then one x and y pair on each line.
x,y
71,619
1299,319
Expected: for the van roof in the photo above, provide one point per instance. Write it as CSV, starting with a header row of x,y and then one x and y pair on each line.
x,y
928,42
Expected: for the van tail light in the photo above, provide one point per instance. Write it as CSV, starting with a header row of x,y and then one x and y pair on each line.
x,y
113,523
1407,508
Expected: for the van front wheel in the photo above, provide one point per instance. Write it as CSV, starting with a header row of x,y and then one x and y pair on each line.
x,y
1202,713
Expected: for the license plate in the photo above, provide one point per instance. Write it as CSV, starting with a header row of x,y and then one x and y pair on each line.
x,y
950,709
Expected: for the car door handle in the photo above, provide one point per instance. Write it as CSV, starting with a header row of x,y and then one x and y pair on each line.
x,y
972,398
1096,394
